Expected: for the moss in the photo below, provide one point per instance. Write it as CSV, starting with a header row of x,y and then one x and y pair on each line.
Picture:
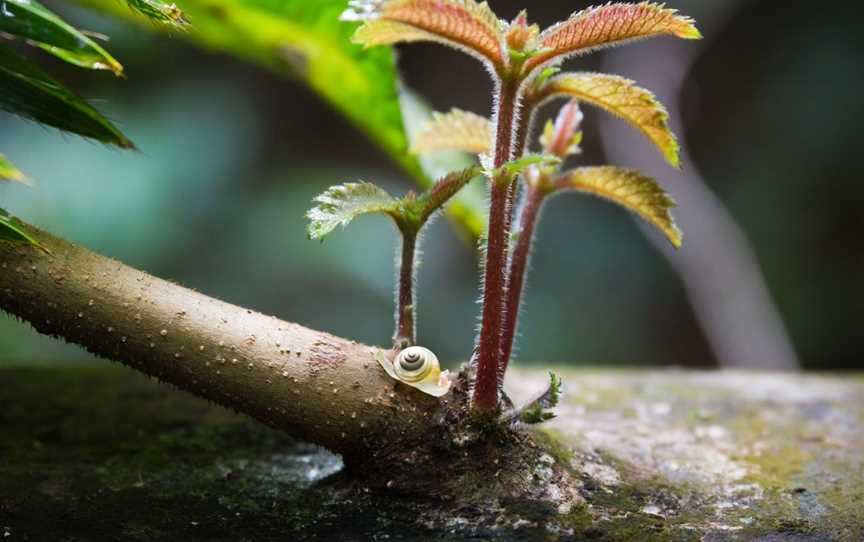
x,y
98,452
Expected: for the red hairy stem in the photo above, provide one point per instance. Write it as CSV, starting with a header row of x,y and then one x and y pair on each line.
x,y
489,361
520,146
534,197
405,310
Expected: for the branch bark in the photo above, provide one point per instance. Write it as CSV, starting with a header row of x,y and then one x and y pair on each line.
x,y
318,387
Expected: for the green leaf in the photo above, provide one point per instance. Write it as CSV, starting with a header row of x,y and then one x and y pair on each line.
x,y
306,40
537,411
629,189
514,167
27,91
160,12
12,230
30,20
9,172
341,204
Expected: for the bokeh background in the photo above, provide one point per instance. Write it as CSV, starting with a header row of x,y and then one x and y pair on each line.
x,y
769,106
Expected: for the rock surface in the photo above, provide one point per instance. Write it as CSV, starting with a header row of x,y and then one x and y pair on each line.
x,y
100,453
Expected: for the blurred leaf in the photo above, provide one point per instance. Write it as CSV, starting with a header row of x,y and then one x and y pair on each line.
x,y
609,24
468,208
464,24
14,231
30,20
308,41
31,93
514,167
631,190
160,12
455,131
624,99
9,172
341,204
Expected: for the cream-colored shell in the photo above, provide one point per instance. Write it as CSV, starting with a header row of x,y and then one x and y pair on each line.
x,y
419,368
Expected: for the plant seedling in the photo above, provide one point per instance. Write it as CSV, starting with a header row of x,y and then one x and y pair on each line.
x,y
524,63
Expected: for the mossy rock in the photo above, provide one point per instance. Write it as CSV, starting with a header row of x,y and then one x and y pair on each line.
x,y
100,453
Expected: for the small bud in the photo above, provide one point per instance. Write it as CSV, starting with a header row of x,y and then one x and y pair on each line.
x,y
563,137
519,34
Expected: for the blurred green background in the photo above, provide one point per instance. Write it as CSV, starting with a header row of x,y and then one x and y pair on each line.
x,y
232,155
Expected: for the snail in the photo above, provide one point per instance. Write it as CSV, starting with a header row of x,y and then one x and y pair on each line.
x,y
419,368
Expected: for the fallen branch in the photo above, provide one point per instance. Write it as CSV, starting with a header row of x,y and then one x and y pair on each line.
x,y
317,387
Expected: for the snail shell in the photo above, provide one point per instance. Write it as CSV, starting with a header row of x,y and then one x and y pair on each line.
x,y
419,368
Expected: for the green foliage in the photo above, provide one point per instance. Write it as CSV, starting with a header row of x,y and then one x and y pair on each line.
x,y
515,167
160,12
9,172
307,41
28,91
11,230
30,20
538,410
341,204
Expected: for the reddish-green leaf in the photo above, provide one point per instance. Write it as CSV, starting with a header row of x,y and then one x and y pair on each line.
x,y
465,24
622,98
607,25
630,189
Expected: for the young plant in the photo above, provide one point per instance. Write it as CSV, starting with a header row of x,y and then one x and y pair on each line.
x,y
341,204
523,63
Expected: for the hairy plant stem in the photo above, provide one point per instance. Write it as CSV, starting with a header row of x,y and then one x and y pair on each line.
x,y
405,309
489,361
528,214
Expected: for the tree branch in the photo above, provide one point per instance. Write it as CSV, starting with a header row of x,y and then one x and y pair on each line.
x,y
323,389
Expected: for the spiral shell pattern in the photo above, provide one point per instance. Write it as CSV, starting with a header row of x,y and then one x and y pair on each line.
x,y
419,368
415,363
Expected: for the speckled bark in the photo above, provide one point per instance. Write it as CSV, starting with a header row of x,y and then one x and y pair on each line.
x,y
318,387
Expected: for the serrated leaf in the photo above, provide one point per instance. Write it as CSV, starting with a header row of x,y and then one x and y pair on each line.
x,y
630,189
607,25
341,204
457,130
9,172
27,91
624,99
465,24
30,20
11,230
160,12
